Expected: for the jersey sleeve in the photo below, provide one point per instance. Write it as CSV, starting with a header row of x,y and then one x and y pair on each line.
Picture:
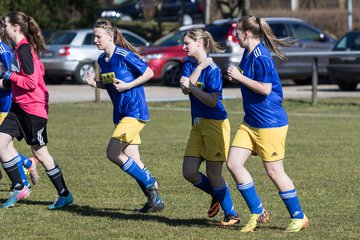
x,y
6,59
136,64
28,80
186,68
214,81
263,69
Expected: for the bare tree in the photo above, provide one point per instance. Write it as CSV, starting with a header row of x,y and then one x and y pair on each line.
x,y
233,8
149,8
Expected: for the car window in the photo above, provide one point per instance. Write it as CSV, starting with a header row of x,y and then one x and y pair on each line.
x,y
62,38
133,40
350,41
218,32
89,40
279,30
305,33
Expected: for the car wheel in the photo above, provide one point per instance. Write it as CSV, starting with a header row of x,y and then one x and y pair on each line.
x,y
81,71
172,72
347,86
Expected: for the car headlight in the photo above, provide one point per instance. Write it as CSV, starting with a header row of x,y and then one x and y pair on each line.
x,y
153,56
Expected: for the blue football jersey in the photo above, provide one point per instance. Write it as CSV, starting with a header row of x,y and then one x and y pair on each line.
x,y
262,111
210,81
126,66
5,59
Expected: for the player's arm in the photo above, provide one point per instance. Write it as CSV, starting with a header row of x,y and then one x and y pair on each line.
x,y
256,86
260,84
146,76
209,99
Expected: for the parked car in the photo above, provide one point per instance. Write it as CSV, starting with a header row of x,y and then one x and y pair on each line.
x,y
47,34
345,70
165,56
129,10
308,39
71,53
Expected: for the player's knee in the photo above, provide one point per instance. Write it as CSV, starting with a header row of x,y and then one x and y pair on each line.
x,y
191,176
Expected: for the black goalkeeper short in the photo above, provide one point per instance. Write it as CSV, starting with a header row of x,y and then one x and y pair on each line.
x,y
20,124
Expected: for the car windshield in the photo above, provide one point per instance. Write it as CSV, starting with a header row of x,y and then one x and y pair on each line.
x,y
171,39
350,41
62,38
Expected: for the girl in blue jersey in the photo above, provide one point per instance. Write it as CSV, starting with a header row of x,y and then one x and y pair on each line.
x,y
6,58
122,74
210,134
264,128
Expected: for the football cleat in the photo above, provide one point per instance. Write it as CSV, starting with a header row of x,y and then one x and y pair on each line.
x,y
229,220
34,175
214,208
254,220
298,224
61,201
15,196
154,203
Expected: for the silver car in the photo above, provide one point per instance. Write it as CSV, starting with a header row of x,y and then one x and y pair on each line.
x,y
71,53
299,69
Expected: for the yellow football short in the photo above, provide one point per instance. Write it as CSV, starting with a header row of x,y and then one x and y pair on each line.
x,y
128,130
268,143
209,139
2,116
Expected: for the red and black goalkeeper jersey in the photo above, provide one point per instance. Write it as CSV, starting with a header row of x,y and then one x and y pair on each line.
x,y
28,85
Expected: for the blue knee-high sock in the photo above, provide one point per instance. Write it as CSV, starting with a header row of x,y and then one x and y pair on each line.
x,y
292,203
131,168
149,176
222,194
204,184
251,197
26,162
21,171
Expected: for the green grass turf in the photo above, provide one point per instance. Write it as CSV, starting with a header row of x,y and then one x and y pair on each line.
x,y
322,158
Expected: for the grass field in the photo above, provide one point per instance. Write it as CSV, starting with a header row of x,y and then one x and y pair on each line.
x,y
323,149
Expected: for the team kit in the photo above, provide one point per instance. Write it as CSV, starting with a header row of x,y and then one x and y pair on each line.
x,y
24,116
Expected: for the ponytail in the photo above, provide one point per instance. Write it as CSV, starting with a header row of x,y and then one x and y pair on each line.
x,y
261,29
122,42
35,37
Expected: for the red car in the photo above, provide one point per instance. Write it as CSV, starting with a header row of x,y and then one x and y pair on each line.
x,y
166,55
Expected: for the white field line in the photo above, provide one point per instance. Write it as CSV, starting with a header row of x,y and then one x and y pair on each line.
x,y
318,115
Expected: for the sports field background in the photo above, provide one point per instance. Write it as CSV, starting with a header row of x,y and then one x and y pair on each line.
x,y
323,149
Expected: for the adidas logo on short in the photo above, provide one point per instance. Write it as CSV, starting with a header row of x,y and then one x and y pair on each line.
x,y
274,154
218,154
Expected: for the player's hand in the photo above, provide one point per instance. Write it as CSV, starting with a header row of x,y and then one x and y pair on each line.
x,y
234,73
90,78
121,85
185,83
5,84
